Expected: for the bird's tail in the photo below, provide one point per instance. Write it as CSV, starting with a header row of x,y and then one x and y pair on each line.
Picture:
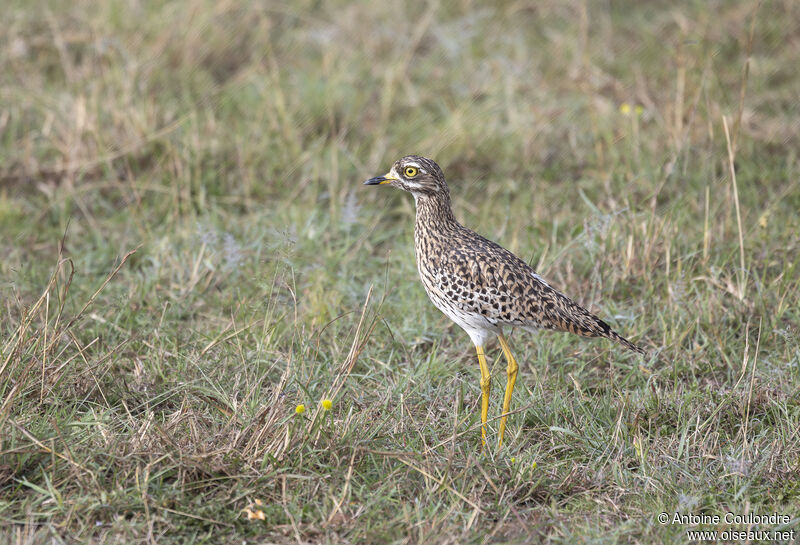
x,y
586,324
614,336
567,315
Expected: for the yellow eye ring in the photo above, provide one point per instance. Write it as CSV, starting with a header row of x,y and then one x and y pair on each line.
x,y
410,172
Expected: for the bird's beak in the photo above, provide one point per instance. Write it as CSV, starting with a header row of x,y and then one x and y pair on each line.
x,y
380,180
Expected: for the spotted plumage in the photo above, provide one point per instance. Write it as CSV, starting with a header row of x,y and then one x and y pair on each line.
x,y
477,283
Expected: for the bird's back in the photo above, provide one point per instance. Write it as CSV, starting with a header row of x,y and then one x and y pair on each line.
x,y
472,278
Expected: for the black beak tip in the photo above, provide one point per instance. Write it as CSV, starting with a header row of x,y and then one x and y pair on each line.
x,y
375,181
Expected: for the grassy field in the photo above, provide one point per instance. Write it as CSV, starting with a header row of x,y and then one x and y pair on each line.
x,y
187,254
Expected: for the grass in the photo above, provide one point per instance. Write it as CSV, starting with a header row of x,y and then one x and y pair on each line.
x,y
187,254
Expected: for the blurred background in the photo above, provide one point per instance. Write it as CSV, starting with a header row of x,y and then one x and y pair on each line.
x,y
642,156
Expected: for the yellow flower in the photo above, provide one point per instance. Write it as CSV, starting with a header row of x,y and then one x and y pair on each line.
x,y
625,108
255,514
327,404
639,110
513,460
258,514
300,409
534,465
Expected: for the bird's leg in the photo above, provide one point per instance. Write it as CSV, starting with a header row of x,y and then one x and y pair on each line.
x,y
511,371
486,388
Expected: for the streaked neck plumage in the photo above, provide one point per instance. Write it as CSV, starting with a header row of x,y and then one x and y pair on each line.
x,y
435,229
434,212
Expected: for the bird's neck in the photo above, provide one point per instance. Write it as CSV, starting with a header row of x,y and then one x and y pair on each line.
x,y
434,213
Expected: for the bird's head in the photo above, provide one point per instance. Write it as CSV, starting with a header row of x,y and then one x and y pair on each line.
x,y
415,174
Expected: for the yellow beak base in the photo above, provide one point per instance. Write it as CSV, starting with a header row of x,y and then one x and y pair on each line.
x,y
380,180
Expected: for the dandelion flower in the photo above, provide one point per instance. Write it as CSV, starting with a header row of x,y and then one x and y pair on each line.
x,y
625,108
327,404
513,460
300,409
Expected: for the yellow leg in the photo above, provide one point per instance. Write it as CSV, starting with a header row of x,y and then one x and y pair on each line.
x,y
511,371
486,388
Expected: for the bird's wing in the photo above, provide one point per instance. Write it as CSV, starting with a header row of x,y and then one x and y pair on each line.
x,y
511,292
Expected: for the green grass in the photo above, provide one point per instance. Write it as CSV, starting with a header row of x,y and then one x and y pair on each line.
x,y
152,399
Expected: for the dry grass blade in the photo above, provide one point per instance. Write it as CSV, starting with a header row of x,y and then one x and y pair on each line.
x,y
742,274
357,346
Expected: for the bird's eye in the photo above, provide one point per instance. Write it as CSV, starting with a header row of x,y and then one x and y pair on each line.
x,y
410,172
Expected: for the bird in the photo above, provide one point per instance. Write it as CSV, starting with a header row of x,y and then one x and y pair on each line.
x,y
480,285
